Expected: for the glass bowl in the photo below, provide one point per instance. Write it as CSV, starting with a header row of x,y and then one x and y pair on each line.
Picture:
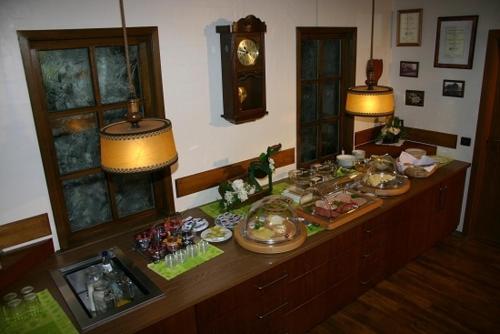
x,y
271,220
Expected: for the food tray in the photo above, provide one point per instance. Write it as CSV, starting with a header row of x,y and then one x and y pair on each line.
x,y
308,212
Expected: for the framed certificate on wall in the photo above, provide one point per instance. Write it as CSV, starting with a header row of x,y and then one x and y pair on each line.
x,y
455,39
409,31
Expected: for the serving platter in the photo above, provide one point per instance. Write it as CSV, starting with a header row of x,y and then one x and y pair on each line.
x,y
309,212
263,248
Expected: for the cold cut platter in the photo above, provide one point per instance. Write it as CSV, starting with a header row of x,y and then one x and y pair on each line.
x,y
338,208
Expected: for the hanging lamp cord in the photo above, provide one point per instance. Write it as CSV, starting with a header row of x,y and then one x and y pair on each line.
x,y
131,86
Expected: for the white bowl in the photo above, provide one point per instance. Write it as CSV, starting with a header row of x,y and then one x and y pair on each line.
x,y
346,160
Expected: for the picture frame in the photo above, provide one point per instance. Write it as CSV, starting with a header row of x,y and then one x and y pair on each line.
x,y
414,98
409,28
454,88
455,41
408,69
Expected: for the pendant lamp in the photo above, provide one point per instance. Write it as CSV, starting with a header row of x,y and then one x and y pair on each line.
x,y
136,144
371,100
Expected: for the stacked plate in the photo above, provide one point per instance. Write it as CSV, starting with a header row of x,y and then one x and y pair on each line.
x,y
194,224
228,220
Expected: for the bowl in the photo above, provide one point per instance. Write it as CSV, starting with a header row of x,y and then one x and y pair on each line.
x,y
346,160
416,152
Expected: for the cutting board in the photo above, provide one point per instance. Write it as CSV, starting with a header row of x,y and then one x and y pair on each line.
x,y
332,223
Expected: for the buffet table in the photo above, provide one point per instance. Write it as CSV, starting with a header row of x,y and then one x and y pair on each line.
x,y
240,291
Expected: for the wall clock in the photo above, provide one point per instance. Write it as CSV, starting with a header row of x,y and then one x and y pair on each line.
x,y
243,69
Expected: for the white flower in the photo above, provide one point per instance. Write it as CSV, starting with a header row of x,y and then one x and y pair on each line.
x,y
384,131
271,165
251,190
228,197
242,195
238,184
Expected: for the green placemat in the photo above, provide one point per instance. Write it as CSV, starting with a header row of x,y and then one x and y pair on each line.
x,y
313,229
168,273
53,319
213,209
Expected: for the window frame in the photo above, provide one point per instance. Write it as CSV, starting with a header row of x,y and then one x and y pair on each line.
x,y
347,35
32,41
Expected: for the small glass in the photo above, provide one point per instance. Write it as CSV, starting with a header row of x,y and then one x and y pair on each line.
x,y
32,305
170,260
192,251
202,247
14,312
180,256
9,296
27,290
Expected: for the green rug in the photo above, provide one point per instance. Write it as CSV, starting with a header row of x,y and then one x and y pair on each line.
x,y
168,273
52,320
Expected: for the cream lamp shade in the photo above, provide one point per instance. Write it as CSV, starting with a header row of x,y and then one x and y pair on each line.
x,y
129,149
370,101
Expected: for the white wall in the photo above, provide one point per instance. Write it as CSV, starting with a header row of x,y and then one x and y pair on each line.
x,y
442,113
190,59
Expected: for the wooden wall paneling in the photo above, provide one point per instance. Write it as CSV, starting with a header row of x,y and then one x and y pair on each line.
x,y
412,134
201,181
24,230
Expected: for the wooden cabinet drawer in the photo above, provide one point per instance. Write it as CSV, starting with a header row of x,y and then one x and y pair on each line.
x,y
307,286
307,316
343,265
345,241
255,295
310,260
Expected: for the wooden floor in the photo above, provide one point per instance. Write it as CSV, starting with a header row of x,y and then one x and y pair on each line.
x,y
452,288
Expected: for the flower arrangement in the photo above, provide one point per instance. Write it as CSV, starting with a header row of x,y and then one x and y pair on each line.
x,y
392,131
235,192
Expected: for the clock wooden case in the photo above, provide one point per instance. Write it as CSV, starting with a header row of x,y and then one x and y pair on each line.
x,y
243,69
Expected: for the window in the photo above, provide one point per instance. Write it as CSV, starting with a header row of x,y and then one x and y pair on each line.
x,y
326,59
78,83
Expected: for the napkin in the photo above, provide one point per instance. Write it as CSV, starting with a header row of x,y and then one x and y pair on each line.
x,y
406,160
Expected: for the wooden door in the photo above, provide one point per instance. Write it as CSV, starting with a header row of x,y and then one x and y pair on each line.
x,y
483,206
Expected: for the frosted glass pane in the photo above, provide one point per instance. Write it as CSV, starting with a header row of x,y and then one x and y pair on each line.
x,y
112,72
308,103
331,57
309,51
329,138
331,99
308,143
76,140
134,193
66,78
86,200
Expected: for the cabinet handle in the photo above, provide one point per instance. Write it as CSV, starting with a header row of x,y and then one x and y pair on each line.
x,y
365,256
368,231
267,285
365,282
279,307
442,197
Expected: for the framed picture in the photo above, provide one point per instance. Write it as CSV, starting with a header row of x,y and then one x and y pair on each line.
x,y
453,88
455,39
414,98
408,69
409,31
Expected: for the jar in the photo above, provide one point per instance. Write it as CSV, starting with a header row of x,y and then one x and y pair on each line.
x,y
103,297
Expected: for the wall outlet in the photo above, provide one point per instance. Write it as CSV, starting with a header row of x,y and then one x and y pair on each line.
x,y
465,141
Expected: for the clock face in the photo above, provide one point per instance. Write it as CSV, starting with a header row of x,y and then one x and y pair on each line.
x,y
247,52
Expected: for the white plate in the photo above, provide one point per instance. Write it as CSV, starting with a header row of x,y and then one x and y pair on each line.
x,y
226,234
200,226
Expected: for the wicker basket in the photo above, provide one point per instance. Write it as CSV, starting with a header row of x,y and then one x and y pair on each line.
x,y
419,172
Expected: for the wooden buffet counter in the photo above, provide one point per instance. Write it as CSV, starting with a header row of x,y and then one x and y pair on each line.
x,y
243,292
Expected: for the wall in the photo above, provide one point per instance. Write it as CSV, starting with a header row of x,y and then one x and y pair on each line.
x,y
442,113
190,60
